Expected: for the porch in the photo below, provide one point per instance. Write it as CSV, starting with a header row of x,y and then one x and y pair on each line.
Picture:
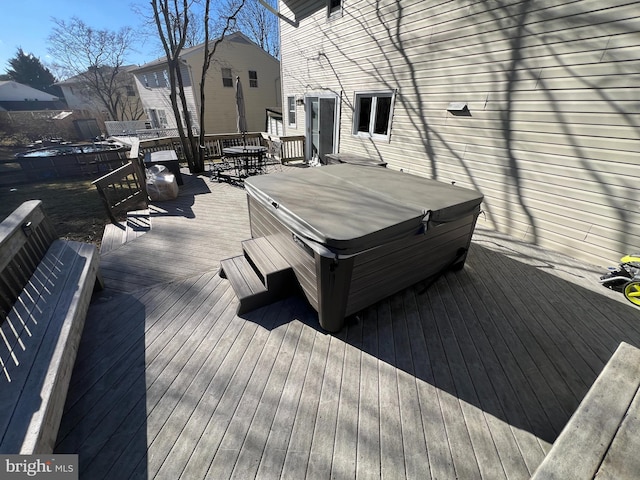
x,y
472,377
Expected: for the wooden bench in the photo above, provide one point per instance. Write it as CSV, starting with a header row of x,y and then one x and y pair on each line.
x,y
602,438
45,289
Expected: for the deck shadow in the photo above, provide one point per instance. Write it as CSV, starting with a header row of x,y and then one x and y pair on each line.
x,y
105,415
511,339
182,206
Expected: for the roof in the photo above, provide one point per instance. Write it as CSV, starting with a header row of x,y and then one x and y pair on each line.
x,y
236,37
77,78
11,91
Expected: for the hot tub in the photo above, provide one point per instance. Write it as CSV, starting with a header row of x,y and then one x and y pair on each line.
x,y
356,234
62,161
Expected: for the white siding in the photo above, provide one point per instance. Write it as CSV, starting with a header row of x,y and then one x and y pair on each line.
x,y
155,95
553,90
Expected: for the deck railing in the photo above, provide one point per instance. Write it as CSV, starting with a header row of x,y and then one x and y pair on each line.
x,y
151,133
283,148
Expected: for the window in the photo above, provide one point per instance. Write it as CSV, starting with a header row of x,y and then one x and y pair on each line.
x,y
131,92
165,74
227,79
373,114
155,79
253,79
333,7
291,109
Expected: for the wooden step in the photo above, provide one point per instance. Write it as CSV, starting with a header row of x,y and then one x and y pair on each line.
x,y
260,276
272,267
246,283
115,235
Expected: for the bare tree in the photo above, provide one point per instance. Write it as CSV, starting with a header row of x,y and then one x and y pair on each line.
x,y
173,20
260,25
234,8
96,60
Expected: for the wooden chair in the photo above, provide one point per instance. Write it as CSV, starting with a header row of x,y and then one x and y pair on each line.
x,y
123,189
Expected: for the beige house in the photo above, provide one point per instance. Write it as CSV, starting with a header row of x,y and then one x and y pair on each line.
x,y
237,55
535,104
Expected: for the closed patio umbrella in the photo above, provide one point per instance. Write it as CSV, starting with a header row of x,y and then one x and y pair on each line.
x,y
240,111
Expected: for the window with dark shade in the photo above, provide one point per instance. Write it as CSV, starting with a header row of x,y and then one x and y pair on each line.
x,y
373,115
253,79
291,109
383,114
227,79
364,115
334,6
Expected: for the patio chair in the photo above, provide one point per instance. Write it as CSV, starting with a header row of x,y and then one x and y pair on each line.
x,y
273,157
216,163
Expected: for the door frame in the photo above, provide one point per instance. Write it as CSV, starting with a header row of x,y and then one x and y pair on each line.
x,y
336,120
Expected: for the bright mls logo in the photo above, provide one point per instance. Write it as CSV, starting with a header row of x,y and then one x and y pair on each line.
x,y
51,467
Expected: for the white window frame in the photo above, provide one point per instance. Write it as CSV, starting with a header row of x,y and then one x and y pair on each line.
x,y
374,95
291,111
335,11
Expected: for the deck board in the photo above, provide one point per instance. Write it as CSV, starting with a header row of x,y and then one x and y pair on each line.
x,y
473,377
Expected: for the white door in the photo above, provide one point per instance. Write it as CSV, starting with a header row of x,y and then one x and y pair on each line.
x,y
321,115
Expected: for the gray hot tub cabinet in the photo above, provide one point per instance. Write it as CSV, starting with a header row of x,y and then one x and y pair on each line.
x,y
354,235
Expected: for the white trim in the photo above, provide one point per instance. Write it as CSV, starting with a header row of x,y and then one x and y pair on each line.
x,y
295,112
336,120
374,94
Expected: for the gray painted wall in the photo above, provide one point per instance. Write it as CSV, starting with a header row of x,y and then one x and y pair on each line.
x,y
553,92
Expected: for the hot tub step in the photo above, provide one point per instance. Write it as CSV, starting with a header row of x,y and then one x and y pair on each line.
x,y
275,272
259,277
245,282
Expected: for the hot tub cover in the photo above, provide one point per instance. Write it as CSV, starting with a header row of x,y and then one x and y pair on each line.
x,y
350,208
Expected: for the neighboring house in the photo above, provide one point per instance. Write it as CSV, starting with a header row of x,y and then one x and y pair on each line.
x,y
236,55
274,122
535,104
125,104
18,97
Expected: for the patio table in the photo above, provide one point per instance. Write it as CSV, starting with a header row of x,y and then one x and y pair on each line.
x,y
248,160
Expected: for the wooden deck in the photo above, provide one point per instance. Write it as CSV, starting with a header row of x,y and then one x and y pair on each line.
x,y
473,377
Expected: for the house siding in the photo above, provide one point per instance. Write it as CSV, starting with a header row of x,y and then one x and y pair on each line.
x,y
235,52
552,136
156,96
239,56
